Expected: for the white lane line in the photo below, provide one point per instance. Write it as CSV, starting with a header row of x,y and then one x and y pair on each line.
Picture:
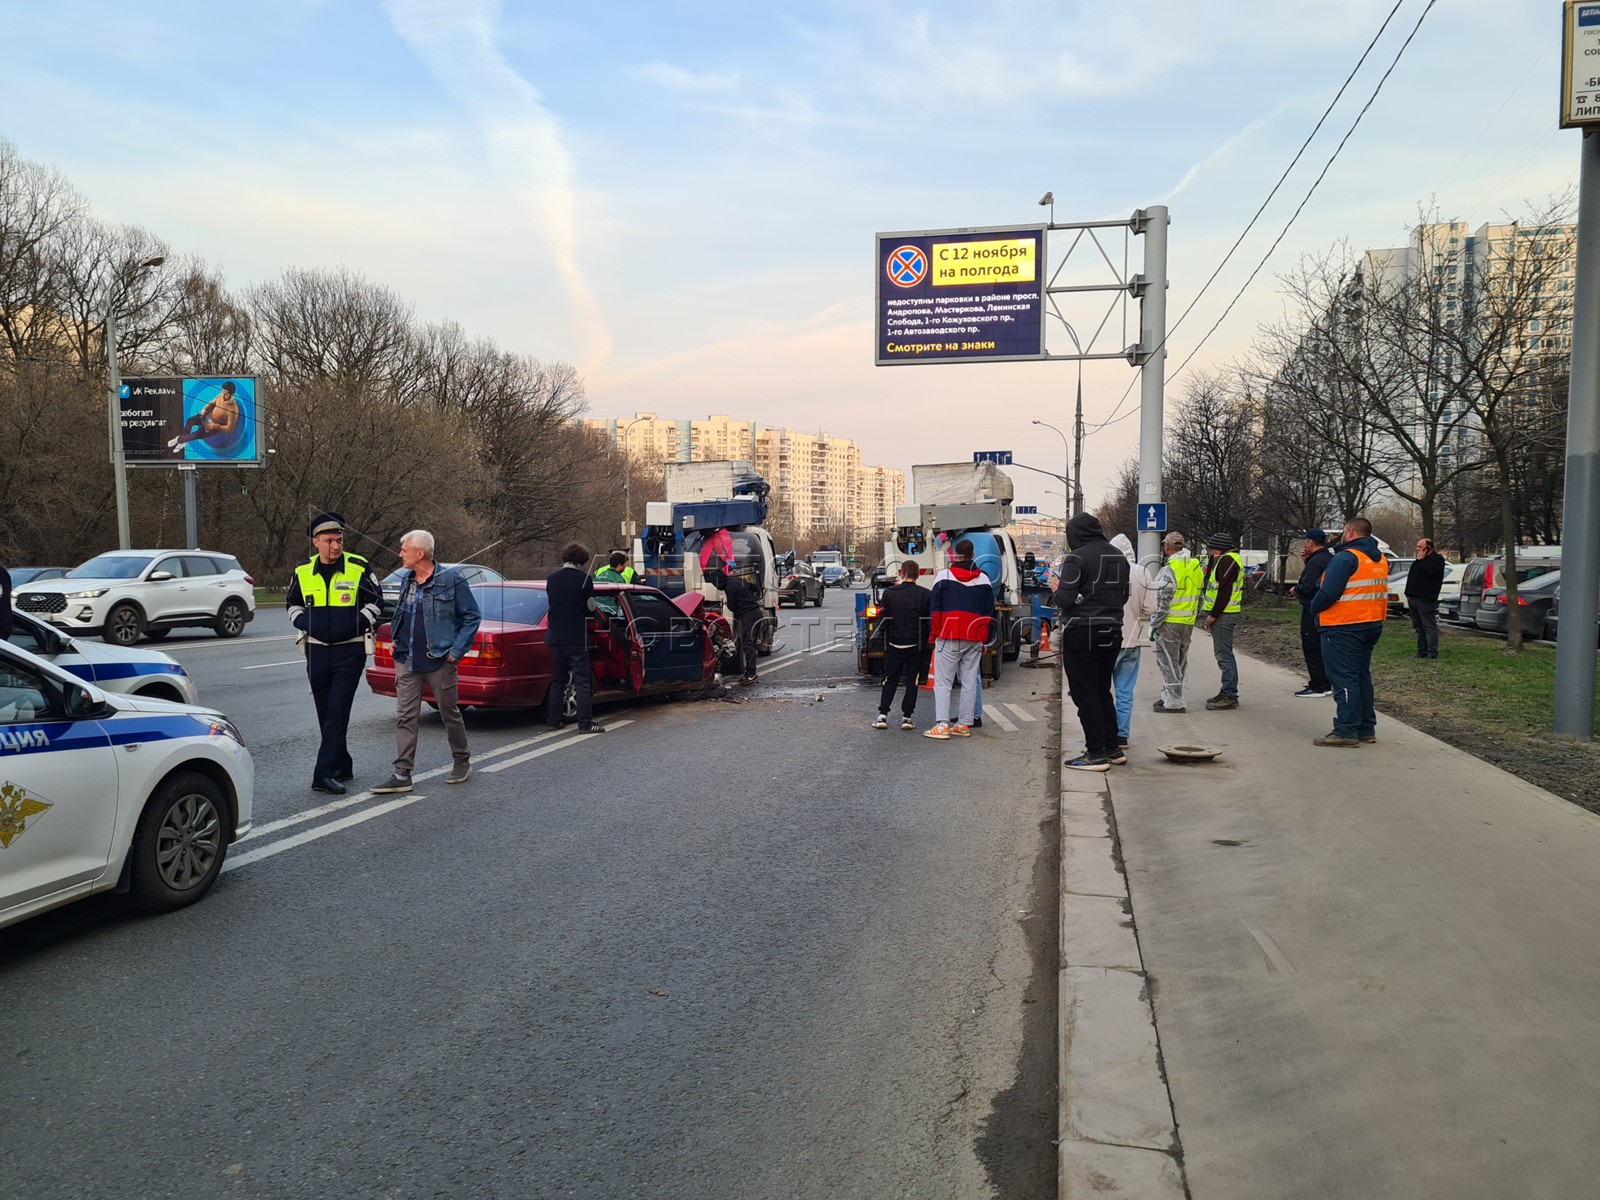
x,y
829,645
221,642
994,714
321,831
333,806
543,750
1022,713
288,662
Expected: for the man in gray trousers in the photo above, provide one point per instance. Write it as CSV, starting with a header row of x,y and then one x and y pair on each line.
x,y
1172,627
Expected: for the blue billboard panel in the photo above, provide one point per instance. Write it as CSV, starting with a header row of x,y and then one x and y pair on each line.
x,y
963,295
212,420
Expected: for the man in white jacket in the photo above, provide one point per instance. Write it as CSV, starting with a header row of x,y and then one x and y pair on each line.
x,y
1136,616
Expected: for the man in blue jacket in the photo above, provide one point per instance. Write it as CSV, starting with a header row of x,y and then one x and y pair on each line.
x,y
435,619
1352,605
1316,556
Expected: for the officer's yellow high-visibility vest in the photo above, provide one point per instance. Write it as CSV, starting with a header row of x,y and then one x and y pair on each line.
x,y
345,583
1233,604
1186,600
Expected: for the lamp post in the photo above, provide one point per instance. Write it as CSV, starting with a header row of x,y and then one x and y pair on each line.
x,y
627,473
1066,450
119,461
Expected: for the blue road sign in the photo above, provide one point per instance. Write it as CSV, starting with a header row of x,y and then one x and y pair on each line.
x,y
1025,509
1152,518
1002,457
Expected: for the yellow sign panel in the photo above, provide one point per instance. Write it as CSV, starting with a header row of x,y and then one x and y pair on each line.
x,y
968,264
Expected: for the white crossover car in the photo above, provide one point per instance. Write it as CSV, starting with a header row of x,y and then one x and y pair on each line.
x,y
126,594
109,668
101,791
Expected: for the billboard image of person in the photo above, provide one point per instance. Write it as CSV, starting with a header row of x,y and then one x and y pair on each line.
x,y
219,422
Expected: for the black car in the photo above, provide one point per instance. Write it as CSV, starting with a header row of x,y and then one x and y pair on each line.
x,y
799,584
1534,601
835,577
471,572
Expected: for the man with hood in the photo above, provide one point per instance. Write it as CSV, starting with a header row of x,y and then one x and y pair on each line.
x,y
961,613
1136,616
1315,554
1352,605
1172,627
1092,596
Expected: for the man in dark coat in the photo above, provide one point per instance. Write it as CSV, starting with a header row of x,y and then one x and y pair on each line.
x,y
570,588
1423,582
747,617
907,610
1091,595
1314,555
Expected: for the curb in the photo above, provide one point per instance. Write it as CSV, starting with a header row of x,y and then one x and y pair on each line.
x,y
1116,1130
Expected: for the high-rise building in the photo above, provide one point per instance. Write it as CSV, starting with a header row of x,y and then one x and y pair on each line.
x,y
818,481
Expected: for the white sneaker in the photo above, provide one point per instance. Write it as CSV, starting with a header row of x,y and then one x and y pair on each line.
x,y
882,721
907,723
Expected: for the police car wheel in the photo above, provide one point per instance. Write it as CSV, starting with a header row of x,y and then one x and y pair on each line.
x,y
230,619
123,625
179,845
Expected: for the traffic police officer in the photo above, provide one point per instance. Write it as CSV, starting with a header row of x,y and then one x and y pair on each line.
x,y
335,603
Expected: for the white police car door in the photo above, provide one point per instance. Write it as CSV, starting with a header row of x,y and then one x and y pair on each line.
x,y
58,789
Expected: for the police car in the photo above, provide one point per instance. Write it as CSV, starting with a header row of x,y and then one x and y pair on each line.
x,y
102,791
109,668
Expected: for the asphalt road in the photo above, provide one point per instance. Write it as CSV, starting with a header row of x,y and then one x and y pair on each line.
x,y
748,949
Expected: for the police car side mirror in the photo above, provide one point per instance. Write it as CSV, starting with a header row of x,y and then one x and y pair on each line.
x,y
78,702
160,576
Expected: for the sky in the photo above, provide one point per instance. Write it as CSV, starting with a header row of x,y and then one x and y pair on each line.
x,y
681,199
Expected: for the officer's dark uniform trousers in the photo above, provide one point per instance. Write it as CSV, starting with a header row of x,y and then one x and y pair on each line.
x,y
335,673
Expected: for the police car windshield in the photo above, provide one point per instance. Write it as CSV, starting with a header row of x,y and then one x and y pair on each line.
x,y
110,566
526,606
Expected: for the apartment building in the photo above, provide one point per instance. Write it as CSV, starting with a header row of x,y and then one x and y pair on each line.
x,y
663,439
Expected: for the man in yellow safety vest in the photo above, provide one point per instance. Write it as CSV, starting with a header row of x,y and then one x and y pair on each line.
x,y
1221,605
1172,627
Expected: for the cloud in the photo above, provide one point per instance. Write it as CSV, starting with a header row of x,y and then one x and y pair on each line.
x,y
1229,144
678,79
456,41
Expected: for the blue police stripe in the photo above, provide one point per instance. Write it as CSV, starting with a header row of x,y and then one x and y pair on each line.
x,y
86,735
91,673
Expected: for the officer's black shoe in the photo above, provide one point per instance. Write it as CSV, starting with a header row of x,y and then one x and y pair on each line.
x,y
345,776
331,786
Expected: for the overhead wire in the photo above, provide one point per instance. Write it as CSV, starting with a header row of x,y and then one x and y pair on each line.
x,y
1114,418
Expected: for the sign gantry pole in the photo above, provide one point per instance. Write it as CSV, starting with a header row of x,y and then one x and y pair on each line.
x,y
1152,369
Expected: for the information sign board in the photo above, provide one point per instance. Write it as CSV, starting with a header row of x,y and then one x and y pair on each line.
x,y
1024,510
1580,64
1000,457
204,421
1152,517
961,295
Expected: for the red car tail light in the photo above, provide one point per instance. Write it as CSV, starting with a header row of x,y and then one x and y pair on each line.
x,y
485,653
383,651
250,579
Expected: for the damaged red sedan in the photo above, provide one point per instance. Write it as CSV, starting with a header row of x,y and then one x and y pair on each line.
x,y
642,643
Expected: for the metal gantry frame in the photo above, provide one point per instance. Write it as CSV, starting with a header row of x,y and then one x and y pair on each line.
x,y
1148,354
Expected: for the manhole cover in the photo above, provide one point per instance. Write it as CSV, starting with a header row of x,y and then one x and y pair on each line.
x,y
1190,754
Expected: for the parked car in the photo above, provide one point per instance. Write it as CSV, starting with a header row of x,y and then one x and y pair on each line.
x,y
472,573
1489,571
100,790
1534,600
1553,621
836,577
646,644
858,577
22,575
798,585
126,594
110,668
1450,591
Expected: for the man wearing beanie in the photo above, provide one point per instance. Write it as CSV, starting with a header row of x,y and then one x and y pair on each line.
x,y
1315,555
1221,604
1092,597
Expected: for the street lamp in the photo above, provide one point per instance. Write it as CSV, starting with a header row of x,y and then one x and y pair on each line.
x,y
1067,450
627,491
119,461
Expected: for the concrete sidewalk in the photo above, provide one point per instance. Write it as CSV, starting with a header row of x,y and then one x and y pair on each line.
x,y
1374,972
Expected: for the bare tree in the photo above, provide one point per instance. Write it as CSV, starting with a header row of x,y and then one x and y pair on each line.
x,y
1210,472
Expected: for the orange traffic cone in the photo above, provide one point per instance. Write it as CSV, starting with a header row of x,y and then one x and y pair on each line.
x,y
927,684
1044,637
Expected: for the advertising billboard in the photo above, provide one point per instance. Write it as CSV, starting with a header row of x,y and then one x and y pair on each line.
x,y
961,295
212,420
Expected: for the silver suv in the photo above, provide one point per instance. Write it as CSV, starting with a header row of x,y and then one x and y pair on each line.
x,y
125,594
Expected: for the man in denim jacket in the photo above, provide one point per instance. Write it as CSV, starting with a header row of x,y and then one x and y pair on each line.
x,y
435,619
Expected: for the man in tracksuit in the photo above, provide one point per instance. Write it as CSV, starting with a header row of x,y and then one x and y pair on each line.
x,y
1316,556
905,611
1351,606
962,611
1092,597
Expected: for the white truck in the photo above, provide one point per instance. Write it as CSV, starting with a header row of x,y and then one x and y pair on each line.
x,y
702,499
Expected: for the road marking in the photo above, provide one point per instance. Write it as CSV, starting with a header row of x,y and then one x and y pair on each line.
x,y
289,662
321,831
333,806
994,714
543,750
255,641
1022,713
